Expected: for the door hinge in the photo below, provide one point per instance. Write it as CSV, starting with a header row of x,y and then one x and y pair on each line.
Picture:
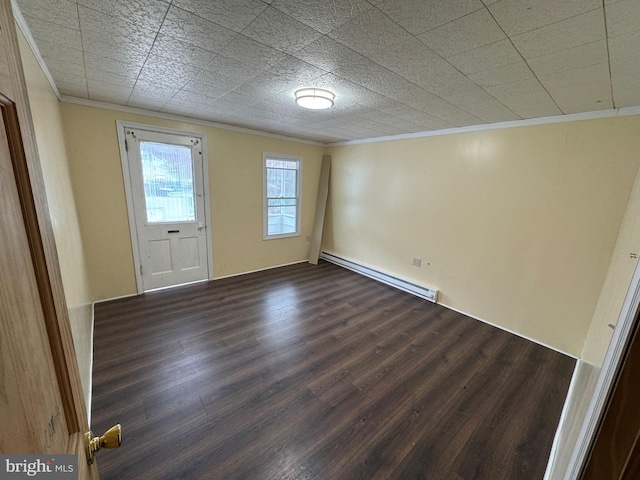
x,y
140,269
126,145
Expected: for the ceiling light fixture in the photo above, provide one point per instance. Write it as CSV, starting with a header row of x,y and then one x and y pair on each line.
x,y
314,98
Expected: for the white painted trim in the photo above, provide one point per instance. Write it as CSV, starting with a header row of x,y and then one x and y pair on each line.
x,y
373,273
422,291
171,287
513,332
608,373
260,269
22,24
105,300
128,189
563,418
179,118
128,193
573,117
90,393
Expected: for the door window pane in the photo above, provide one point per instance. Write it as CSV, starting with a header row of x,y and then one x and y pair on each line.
x,y
167,172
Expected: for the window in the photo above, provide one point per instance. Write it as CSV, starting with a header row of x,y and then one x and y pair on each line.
x,y
167,174
281,196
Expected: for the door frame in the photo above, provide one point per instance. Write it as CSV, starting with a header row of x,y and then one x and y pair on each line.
x,y
610,368
41,247
128,190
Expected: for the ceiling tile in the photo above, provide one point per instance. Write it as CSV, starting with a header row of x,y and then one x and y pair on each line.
x,y
532,105
280,31
227,73
191,99
72,89
625,61
352,93
43,31
113,72
570,59
59,12
519,16
106,92
490,56
418,16
68,71
145,13
61,53
598,73
233,101
72,75
328,54
514,72
170,48
579,30
322,16
466,33
513,89
199,88
263,85
626,92
371,33
581,97
417,63
195,30
299,73
623,17
527,98
247,50
232,14
440,109
168,72
480,104
102,32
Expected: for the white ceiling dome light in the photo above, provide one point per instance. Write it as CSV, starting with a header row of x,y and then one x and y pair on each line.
x,y
314,98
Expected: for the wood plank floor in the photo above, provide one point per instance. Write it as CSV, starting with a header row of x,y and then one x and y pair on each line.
x,y
316,372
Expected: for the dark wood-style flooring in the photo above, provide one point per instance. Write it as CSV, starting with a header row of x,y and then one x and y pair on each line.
x,y
316,372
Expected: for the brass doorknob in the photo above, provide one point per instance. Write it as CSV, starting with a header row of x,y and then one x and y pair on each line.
x,y
111,439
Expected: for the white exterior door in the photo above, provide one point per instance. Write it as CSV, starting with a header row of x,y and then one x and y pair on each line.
x,y
167,186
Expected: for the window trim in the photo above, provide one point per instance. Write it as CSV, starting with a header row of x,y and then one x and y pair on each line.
x,y
265,209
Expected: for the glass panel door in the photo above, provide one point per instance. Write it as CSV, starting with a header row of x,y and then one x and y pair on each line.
x,y
167,172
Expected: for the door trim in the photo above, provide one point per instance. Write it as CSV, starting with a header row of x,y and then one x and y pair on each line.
x,y
128,190
608,374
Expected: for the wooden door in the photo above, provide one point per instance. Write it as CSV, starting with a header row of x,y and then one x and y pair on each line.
x,y
42,409
615,454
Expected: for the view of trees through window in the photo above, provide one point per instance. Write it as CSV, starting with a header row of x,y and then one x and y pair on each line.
x,y
167,172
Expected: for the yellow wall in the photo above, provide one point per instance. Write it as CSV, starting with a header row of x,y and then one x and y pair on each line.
x,y
235,182
514,226
47,123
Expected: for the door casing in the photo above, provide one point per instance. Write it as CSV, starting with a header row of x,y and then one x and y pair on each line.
x,y
122,126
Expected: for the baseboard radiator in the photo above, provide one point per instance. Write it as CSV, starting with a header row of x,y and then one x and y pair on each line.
x,y
421,291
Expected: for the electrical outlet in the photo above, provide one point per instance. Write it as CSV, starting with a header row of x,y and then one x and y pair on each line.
x,y
415,261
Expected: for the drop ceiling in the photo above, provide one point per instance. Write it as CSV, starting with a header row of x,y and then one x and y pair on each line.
x,y
396,66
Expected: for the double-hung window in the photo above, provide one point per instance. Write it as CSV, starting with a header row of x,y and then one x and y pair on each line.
x,y
282,180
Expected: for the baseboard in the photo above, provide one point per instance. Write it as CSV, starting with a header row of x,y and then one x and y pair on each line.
x,y
259,270
421,291
104,300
